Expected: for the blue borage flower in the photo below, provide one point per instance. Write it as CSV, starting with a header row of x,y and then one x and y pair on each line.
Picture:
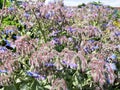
x,y
71,65
11,8
86,50
47,16
111,66
3,71
113,56
35,75
49,64
26,15
70,39
8,32
109,76
55,41
91,41
24,4
96,47
3,49
54,33
117,34
15,37
8,44
71,29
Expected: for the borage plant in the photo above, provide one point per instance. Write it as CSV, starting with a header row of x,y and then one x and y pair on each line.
x,y
54,47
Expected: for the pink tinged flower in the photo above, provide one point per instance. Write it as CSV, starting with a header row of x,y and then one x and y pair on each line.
x,y
95,75
111,78
101,81
83,61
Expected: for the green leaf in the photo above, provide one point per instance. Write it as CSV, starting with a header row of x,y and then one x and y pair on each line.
x,y
24,86
28,33
11,87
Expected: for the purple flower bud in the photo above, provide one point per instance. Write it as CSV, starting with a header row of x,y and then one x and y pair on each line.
x,y
64,62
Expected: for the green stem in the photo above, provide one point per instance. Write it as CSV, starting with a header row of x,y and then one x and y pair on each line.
x,y
39,24
17,86
4,3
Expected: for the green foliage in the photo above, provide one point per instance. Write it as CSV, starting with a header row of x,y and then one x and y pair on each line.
x,y
1,4
96,3
79,6
8,3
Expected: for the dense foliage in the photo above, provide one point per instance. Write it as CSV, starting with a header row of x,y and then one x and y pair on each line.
x,y
54,47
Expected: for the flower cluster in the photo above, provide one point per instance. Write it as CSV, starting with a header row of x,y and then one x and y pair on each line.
x,y
59,47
